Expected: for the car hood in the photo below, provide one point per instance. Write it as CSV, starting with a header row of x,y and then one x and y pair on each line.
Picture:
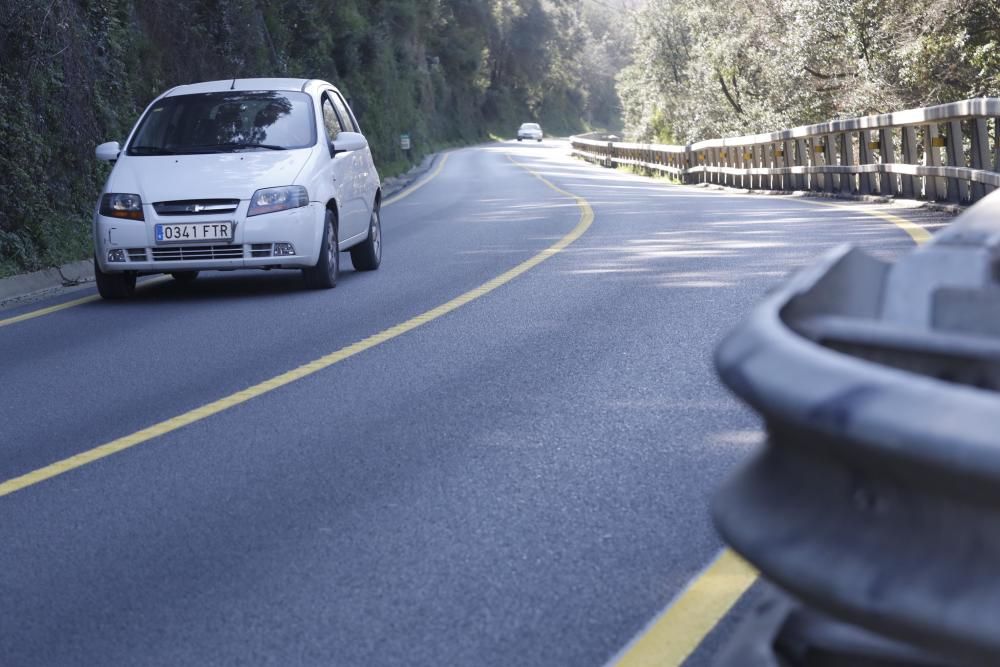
x,y
212,176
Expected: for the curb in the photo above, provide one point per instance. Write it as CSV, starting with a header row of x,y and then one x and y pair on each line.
x,y
77,273
67,275
394,184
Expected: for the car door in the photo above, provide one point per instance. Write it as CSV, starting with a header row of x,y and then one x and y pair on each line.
x,y
343,170
366,177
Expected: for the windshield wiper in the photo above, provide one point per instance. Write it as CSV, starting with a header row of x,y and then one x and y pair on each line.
x,y
270,147
150,150
233,146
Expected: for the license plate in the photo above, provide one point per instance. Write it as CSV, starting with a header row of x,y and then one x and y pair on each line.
x,y
201,231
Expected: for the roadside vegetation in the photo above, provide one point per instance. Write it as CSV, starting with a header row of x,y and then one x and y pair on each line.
x,y
74,73
708,68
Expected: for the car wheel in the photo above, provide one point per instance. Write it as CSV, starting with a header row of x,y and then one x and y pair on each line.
x,y
324,274
184,277
539,141
114,285
519,138
367,255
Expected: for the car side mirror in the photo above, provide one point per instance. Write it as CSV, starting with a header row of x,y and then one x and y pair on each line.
x,y
109,151
347,142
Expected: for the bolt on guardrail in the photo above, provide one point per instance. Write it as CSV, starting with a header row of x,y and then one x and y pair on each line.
x,y
938,153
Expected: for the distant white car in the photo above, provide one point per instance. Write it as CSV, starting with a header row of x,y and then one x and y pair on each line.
x,y
246,173
529,131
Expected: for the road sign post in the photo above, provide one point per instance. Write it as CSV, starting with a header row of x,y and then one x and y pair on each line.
x,y
404,144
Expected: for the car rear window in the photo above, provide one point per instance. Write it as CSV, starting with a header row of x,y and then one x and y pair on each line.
x,y
226,122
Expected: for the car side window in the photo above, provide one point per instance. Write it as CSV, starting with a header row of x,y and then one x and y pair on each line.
x,y
330,120
342,111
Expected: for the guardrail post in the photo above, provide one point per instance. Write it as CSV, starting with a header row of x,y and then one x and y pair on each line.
x,y
888,183
911,189
932,158
980,155
725,155
767,162
829,158
958,189
804,153
740,162
996,144
779,151
747,157
867,183
775,160
846,160
735,159
756,161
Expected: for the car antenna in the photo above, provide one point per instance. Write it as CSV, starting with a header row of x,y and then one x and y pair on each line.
x,y
233,87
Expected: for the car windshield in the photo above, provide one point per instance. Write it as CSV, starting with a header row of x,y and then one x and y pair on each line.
x,y
226,122
530,126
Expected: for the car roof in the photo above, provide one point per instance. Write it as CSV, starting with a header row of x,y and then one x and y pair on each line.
x,y
305,85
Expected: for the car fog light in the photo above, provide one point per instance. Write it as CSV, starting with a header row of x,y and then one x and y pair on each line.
x,y
283,249
116,255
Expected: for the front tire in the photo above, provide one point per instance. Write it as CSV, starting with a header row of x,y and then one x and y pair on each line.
x,y
114,285
324,274
367,255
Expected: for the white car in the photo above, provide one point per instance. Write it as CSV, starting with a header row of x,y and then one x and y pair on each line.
x,y
236,174
529,131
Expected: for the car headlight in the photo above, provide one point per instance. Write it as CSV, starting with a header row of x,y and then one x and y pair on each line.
x,y
117,205
270,200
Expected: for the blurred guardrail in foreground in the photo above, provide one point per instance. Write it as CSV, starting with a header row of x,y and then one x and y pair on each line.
x,y
876,500
938,153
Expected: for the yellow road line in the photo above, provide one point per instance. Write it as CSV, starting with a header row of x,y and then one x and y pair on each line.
x,y
46,311
69,304
673,635
416,186
215,407
916,232
94,297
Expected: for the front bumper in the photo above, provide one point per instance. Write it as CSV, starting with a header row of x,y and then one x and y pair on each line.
x,y
252,246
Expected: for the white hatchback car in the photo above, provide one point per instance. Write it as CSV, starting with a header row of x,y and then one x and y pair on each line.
x,y
245,173
529,131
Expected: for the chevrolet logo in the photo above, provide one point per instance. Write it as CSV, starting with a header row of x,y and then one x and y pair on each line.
x,y
195,208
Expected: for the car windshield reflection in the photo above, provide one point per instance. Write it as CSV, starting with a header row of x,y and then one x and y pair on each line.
x,y
226,122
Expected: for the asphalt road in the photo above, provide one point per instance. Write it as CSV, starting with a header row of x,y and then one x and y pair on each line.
x,y
521,481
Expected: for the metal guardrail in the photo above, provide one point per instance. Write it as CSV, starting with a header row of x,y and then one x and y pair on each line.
x,y
877,496
941,152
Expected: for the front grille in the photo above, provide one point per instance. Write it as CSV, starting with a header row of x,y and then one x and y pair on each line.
x,y
260,250
136,254
196,207
190,253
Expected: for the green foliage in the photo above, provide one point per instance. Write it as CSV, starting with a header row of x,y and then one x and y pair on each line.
x,y
79,72
704,68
